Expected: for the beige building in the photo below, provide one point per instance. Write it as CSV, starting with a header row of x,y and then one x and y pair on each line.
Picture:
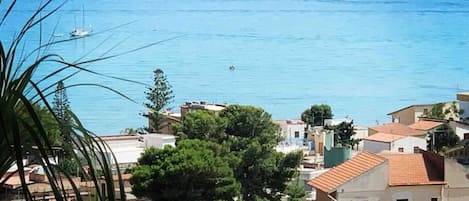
x,y
171,118
202,105
393,177
410,114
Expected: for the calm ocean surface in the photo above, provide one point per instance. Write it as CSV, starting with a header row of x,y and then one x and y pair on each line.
x,y
364,58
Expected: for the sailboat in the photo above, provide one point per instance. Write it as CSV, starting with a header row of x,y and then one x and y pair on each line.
x,y
80,32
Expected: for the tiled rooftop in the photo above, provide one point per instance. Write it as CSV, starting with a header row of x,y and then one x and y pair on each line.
x,y
346,171
397,129
384,137
425,125
411,170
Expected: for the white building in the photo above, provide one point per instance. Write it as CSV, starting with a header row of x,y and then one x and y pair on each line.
x,y
395,143
128,148
293,131
463,99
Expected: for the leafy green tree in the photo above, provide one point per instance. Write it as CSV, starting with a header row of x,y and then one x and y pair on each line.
x,y
51,127
343,134
264,173
436,111
250,122
70,166
315,115
194,170
444,137
204,125
246,138
61,108
295,191
454,110
439,111
160,95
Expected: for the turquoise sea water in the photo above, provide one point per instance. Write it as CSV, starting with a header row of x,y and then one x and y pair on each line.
x,y
364,58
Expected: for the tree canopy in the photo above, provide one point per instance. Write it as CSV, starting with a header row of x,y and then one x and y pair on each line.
x,y
160,95
315,115
194,170
343,134
204,125
444,137
440,111
245,136
61,109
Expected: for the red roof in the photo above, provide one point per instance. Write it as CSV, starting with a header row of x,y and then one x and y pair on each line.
x,y
411,170
346,171
384,137
425,125
397,129
403,170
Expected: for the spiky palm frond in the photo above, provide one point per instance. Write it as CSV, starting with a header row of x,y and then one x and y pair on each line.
x,y
23,134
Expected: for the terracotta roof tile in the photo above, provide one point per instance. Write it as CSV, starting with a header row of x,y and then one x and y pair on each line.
x,y
346,171
425,125
397,129
410,170
384,137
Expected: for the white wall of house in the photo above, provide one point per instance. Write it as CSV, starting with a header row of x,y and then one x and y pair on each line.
x,y
375,146
369,186
361,132
292,131
127,151
457,177
124,143
465,106
413,193
459,128
408,143
159,140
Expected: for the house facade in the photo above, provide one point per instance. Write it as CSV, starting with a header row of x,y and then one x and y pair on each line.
x,y
393,177
128,148
292,131
410,114
393,143
457,177
463,99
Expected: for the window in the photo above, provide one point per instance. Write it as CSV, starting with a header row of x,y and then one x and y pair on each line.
x,y
401,149
297,134
434,199
425,111
402,200
466,136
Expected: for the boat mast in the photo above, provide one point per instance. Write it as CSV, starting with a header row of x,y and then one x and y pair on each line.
x,y
83,17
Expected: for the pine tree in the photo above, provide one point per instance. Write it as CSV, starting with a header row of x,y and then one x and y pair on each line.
x,y
61,108
159,97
